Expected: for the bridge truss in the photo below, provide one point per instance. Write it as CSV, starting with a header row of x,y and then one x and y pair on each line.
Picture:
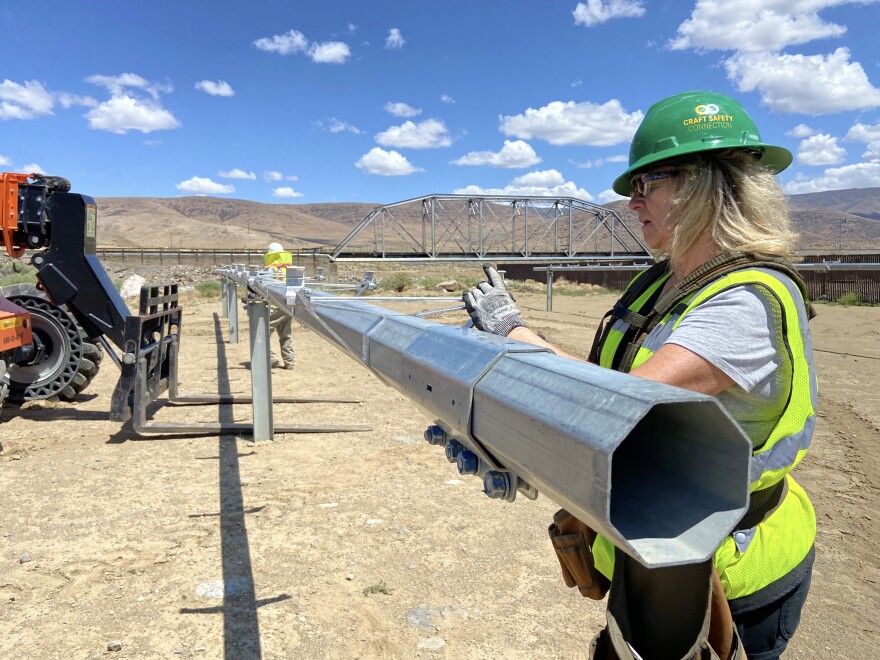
x,y
468,227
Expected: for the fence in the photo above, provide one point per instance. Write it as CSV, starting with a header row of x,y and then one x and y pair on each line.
x,y
163,256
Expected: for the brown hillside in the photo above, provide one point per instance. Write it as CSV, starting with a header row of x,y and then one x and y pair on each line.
x,y
864,202
819,228
210,222
848,219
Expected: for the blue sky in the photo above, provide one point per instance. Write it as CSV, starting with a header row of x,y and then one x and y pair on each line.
x,y
303,102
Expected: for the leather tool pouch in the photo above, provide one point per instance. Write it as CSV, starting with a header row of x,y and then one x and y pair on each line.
x,y
572,540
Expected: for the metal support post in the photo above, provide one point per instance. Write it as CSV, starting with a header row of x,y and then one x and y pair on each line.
x,y
549,289
224,297
233,312
261,369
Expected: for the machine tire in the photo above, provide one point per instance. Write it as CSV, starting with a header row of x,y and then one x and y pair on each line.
x,y
72,360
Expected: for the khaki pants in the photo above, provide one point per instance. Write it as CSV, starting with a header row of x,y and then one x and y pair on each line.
x,y
281,323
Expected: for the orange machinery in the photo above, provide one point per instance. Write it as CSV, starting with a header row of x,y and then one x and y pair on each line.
x,y
15,321
9,183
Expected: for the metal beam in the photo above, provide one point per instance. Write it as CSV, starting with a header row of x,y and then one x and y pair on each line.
x,y
661,471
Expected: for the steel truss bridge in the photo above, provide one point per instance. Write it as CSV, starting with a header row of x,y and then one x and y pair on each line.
x,y
466,227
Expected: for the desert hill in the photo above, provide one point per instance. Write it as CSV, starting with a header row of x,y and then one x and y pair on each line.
x,y
848,219
212,222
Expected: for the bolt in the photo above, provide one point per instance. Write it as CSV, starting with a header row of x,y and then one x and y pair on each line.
x,y
435,435
496,484
453,449
468,462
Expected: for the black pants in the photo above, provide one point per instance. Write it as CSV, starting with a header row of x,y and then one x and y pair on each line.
x,y
766,631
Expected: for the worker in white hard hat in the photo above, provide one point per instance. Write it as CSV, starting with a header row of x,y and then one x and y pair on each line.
x,y
277,259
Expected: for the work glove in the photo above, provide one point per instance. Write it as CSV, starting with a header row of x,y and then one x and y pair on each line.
x,y
491,306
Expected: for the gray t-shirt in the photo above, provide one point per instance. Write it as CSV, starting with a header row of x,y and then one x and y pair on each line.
x,y
740,331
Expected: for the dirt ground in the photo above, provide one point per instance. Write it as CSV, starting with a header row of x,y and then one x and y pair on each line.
x,y
359,544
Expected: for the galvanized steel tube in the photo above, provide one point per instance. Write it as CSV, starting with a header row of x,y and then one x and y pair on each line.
x,y
661,471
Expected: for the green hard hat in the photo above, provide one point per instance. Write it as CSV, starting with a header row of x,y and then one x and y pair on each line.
x,y
692,122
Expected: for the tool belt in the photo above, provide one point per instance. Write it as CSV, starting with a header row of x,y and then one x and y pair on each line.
x,y
573,540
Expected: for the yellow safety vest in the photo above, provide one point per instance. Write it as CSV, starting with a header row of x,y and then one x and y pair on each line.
x,y
752,559
278,259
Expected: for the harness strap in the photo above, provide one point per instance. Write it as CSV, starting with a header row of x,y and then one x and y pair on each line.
x,y
621,310
762,504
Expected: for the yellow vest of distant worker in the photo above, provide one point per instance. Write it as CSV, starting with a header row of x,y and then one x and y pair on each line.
x,y
752,559
278,261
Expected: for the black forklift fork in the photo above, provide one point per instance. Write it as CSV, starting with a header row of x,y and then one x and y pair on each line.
x,y
149,364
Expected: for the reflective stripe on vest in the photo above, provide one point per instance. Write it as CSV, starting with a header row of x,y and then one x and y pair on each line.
x,y
779,543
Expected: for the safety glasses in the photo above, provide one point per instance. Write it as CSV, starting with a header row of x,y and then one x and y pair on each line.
x,y
643,183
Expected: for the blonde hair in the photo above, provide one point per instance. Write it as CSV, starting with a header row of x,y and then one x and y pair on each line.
x,y
731,195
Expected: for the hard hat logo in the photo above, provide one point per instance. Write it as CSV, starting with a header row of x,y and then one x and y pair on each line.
x,y
694,122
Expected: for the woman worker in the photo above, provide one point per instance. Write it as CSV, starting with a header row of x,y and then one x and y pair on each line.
x,y
722,313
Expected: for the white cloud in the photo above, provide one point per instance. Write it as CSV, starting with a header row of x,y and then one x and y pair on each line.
x,y
204,186
330,52
274,176
574,123
807,84
870,135
335,125
291,42
125,113
286,192
124,82
859,175
385,163
599,162
24,101
237,173
402,109
756,25
294,42
577,82
69,100
800,131
352,28
594,12
215,88
514,153
544,183
134,105
821,149
608,196
429,134
4,160
446,98
33,168
394,40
